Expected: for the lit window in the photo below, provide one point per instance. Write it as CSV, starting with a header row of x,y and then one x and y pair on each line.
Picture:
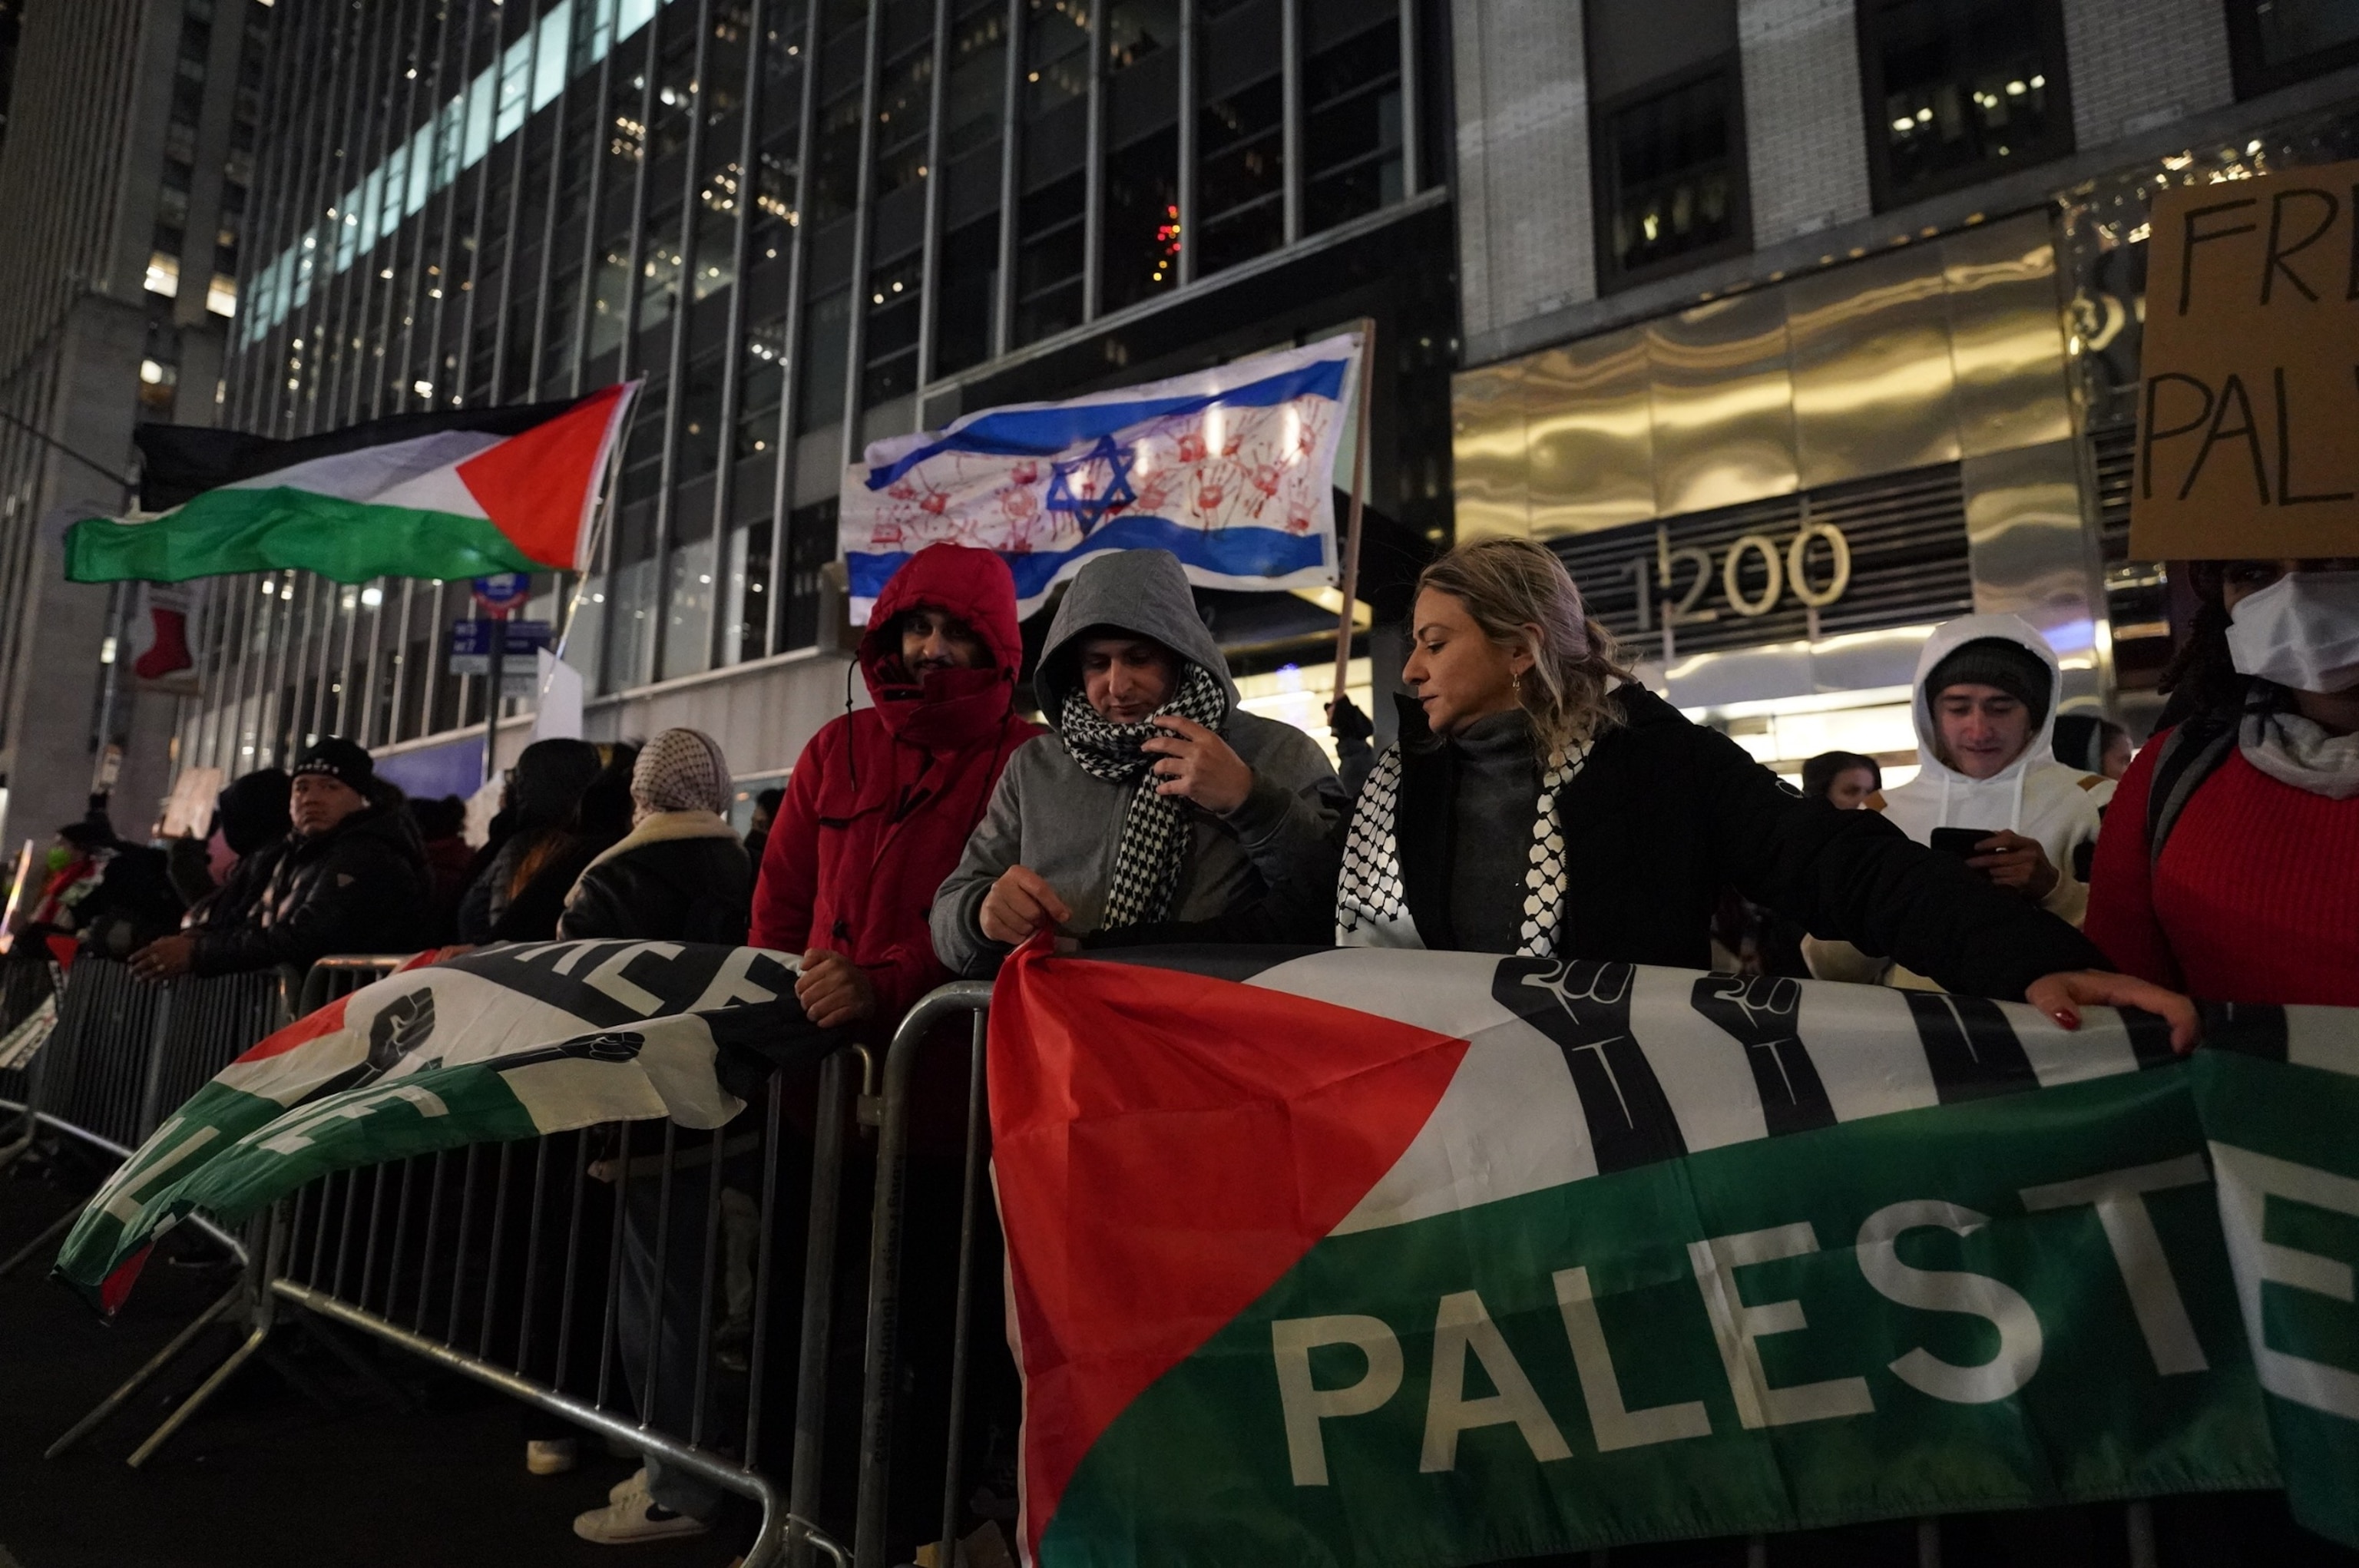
x,y
164,276
1967,86
221,298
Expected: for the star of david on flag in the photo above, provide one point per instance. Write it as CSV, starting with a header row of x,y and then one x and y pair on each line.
x,y
1231,469
1074,487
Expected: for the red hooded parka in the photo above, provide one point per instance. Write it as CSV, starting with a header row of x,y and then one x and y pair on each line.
x,y
880,804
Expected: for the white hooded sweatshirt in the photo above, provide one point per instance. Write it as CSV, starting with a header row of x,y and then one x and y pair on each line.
x,y
2035,795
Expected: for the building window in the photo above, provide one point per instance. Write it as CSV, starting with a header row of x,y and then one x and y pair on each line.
x,y
2274,42
1671,177
1240,137
1351,131
1958,91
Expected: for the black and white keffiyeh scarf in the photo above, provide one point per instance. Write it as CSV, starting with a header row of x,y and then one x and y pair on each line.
x,y
1372,903
1154,848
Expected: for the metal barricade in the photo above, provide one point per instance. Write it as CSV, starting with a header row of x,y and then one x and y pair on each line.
x,y
27,984
339,974
881,1360
194,1029
624,1277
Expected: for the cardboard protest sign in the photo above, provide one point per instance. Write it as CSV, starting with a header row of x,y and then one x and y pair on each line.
x,y
2249,415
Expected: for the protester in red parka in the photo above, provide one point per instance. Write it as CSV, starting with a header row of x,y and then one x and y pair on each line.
x,y
880,805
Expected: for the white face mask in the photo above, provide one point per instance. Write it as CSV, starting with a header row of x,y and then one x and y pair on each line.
x,y
2301,631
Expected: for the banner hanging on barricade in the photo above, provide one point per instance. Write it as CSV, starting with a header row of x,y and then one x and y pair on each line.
x,y
1431,1258
498,1043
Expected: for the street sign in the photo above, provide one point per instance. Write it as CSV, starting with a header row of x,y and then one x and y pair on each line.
x,y
471,644
502,591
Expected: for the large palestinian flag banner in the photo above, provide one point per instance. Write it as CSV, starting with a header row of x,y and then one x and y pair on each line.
x,y
499,1043
445,495
1407,1259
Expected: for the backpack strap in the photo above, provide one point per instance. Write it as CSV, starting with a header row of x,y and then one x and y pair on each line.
x,y
2191,754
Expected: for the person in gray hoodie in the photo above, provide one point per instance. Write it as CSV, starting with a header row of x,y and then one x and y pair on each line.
x,y
1155,809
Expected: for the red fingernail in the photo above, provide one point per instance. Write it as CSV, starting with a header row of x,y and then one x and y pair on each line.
x,y
2066,1019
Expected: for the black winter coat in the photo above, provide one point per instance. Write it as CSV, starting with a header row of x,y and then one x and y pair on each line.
x,y
1665,813
361,886
666,889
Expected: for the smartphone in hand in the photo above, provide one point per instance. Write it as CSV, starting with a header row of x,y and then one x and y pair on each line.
x,y
1959,842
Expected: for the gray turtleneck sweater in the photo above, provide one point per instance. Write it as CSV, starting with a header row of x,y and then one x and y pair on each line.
x,y
1491,830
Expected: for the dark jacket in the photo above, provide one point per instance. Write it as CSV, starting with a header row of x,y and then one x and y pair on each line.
x,y
361,886
1665,813
134,903
679,876
241,893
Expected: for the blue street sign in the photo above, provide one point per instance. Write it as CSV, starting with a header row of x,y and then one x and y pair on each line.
x,y
471,644
502,589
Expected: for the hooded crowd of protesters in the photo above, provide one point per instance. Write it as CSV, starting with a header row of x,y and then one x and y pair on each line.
x,y
1539,802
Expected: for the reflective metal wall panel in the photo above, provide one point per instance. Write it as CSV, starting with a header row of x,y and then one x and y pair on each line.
x,y
1722,404
2032,555
1490,478
1871,365
2007,335
1589,427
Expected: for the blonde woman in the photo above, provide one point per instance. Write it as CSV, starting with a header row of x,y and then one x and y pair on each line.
x,y
1543,803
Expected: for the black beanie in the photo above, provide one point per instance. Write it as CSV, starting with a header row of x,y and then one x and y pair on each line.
x,y
254,810
340,759
1996,662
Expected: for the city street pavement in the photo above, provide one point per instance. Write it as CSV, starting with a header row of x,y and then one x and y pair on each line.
x,y
265,1478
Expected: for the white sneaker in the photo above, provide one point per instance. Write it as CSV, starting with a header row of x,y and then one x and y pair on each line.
x,y
633,1518
552,1455
636,1482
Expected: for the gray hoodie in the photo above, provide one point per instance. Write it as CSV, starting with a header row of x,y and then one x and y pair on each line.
x,y
1274,856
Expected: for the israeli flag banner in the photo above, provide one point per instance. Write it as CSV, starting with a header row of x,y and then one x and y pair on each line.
x,y
1230,470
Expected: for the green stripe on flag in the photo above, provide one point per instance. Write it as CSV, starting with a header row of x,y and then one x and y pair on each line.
x,y
1913,1314
234,530
2289,1167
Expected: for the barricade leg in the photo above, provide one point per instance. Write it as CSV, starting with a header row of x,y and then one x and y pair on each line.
x,y
265,1318
818,1304
56,1228
885,1263
964,1293
236,1294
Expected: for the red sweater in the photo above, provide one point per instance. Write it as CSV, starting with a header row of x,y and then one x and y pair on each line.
x,y
2256,898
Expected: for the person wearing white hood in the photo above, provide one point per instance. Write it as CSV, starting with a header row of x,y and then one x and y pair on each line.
x,y
1987,693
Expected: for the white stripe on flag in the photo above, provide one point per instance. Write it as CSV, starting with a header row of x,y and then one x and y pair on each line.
x,y
1510,1123
420,471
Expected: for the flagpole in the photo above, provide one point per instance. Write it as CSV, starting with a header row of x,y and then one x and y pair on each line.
x,y
1351,585
598,531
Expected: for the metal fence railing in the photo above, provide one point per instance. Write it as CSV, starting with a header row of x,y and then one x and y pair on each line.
x,y
882,1391
28,984
632,1279
125,1055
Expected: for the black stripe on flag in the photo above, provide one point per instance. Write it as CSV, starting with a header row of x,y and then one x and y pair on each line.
x,y
2247,1029
178,461
1763,1014
1584,1007
1970,1046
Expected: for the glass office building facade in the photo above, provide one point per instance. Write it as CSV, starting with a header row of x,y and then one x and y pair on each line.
x,y
802,224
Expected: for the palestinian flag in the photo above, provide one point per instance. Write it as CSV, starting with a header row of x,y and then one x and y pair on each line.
x,y
1390,1258
460,493
499,1043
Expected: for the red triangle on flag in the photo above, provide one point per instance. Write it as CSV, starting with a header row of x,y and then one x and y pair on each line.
x,y
1166,1146
536,487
